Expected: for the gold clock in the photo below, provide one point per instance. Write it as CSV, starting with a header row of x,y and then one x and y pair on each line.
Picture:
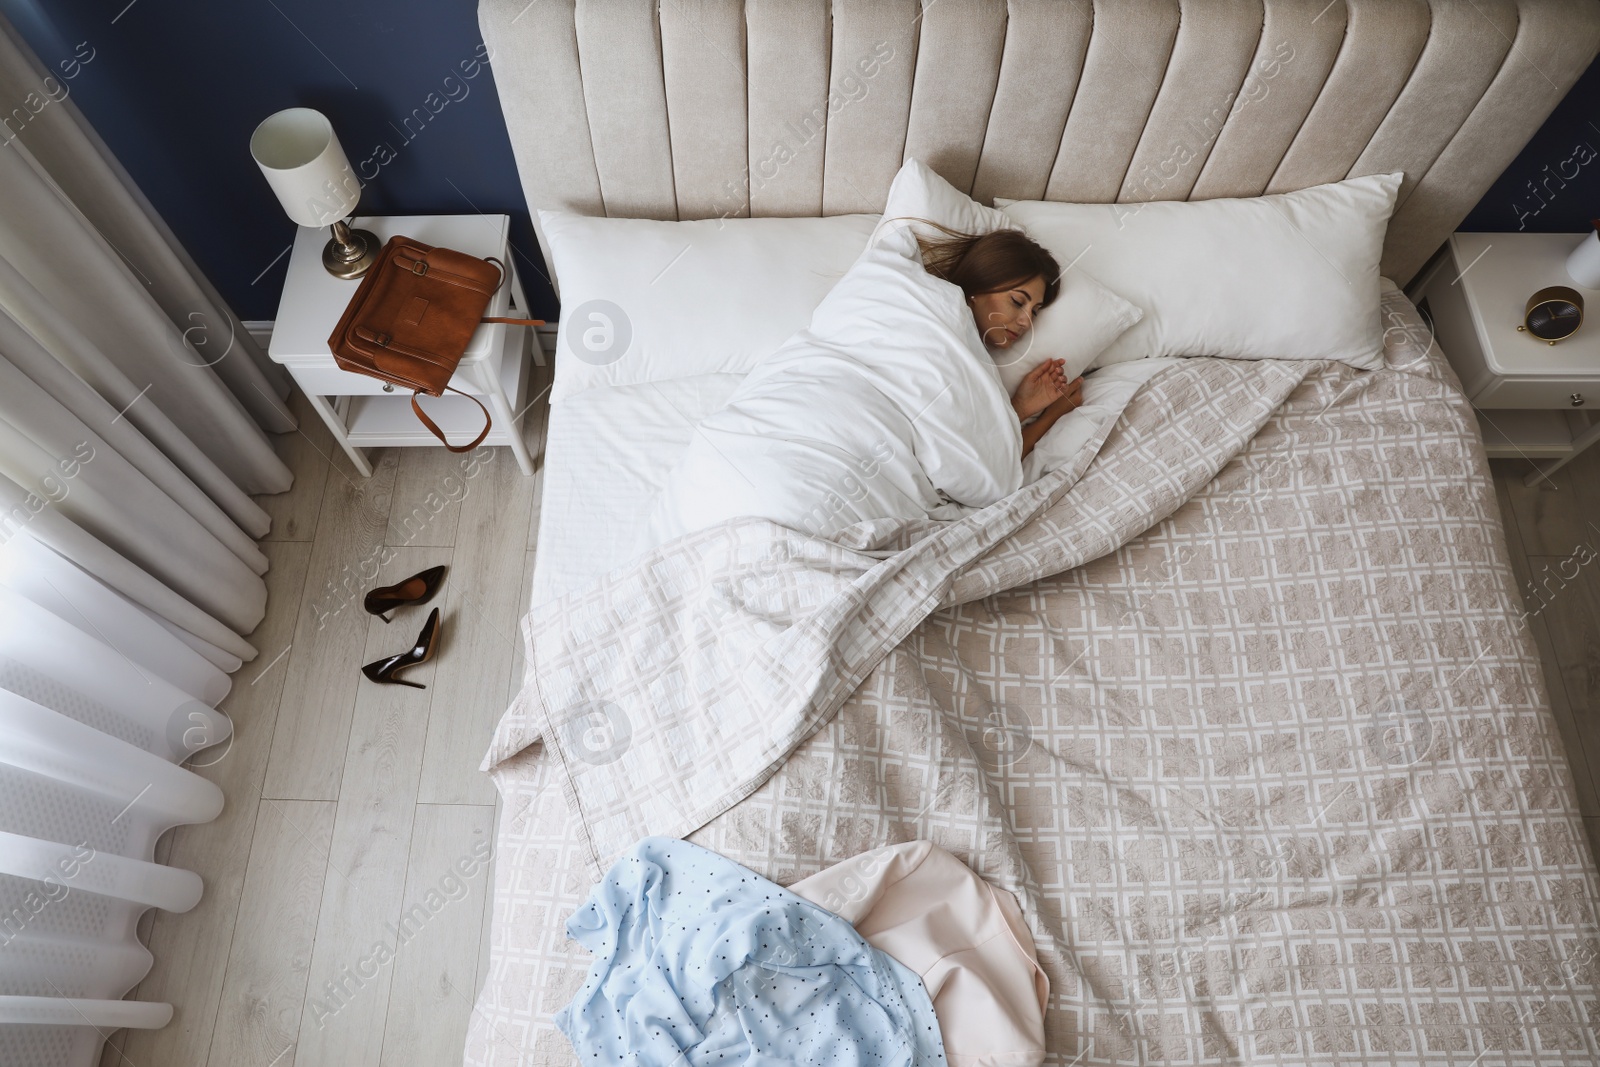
x,y
1553,313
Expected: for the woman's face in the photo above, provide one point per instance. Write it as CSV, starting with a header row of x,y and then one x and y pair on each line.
x,y
1005,316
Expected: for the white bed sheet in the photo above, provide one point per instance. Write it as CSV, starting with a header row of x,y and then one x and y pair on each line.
x,y
607,451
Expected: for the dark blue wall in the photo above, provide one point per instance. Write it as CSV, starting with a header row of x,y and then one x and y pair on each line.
x,y
1554,185
176,87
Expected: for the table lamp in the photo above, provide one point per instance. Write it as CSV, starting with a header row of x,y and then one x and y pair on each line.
x,y
1583,265
306,166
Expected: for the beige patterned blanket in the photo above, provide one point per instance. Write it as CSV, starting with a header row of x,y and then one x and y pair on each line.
x,y
1240,707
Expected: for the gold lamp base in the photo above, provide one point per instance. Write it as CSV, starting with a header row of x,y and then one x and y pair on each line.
x,y
349,253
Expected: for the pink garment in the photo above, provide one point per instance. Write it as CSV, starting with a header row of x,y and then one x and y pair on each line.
x,y
965,938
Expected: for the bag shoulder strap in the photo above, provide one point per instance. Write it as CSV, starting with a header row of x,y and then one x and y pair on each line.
x,y
433,427
505,276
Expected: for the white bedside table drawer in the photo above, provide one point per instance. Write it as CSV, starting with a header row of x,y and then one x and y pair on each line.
x,y
1537,393
321,378
331,381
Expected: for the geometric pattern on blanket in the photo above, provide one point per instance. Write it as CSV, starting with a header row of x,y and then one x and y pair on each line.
x,y
675,684
1274,781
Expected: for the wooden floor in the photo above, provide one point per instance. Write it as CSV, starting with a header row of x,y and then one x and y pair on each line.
x,y
350,805
1553,530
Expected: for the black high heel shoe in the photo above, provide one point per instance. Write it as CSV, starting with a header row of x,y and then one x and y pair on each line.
x,y
417,589
385,670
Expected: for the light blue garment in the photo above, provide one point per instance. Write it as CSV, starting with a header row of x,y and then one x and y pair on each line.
x,y
699,962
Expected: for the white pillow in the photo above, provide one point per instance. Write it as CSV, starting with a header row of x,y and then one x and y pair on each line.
x,y
1084,320
1077,327
1287,276
918,193
645,301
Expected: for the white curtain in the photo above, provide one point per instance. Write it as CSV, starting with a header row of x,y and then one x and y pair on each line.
x,y
98,704
134,420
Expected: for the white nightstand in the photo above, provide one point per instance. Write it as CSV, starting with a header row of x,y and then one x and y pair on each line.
x,y
1535,400
364,412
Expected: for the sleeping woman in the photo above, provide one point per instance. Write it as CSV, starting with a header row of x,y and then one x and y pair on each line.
x,y
888,407
1007,279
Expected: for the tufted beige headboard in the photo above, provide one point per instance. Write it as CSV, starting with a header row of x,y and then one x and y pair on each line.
x,y
688,109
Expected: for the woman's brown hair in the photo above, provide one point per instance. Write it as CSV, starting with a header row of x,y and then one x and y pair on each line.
x,y
989,262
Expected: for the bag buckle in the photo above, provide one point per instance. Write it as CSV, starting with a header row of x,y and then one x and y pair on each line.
x,y
419,266
383,340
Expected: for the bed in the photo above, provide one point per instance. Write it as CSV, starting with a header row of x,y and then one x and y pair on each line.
x,y
1240,707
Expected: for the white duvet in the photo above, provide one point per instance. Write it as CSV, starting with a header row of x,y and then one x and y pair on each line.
x,y
887,406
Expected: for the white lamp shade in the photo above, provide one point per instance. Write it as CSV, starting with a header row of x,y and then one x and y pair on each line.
x,y
1583,265
306,166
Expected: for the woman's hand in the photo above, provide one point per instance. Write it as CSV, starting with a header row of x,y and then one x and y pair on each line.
x,y
1071,397
1070,400
1043,386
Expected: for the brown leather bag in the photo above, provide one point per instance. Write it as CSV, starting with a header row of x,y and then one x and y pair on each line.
x,y
412,318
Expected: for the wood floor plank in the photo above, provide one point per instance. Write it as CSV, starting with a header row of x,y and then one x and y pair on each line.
x,y
483,598
1573,616
1586,479
111,1054
306,452
258,1017
1582,747
447,885
348,983
1547,513
1578,754
514,679
514,682
482,974
429,488
313,725
191,950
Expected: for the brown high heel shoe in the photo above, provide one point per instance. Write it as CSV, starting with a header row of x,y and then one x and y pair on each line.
x,y
384,670
417,589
